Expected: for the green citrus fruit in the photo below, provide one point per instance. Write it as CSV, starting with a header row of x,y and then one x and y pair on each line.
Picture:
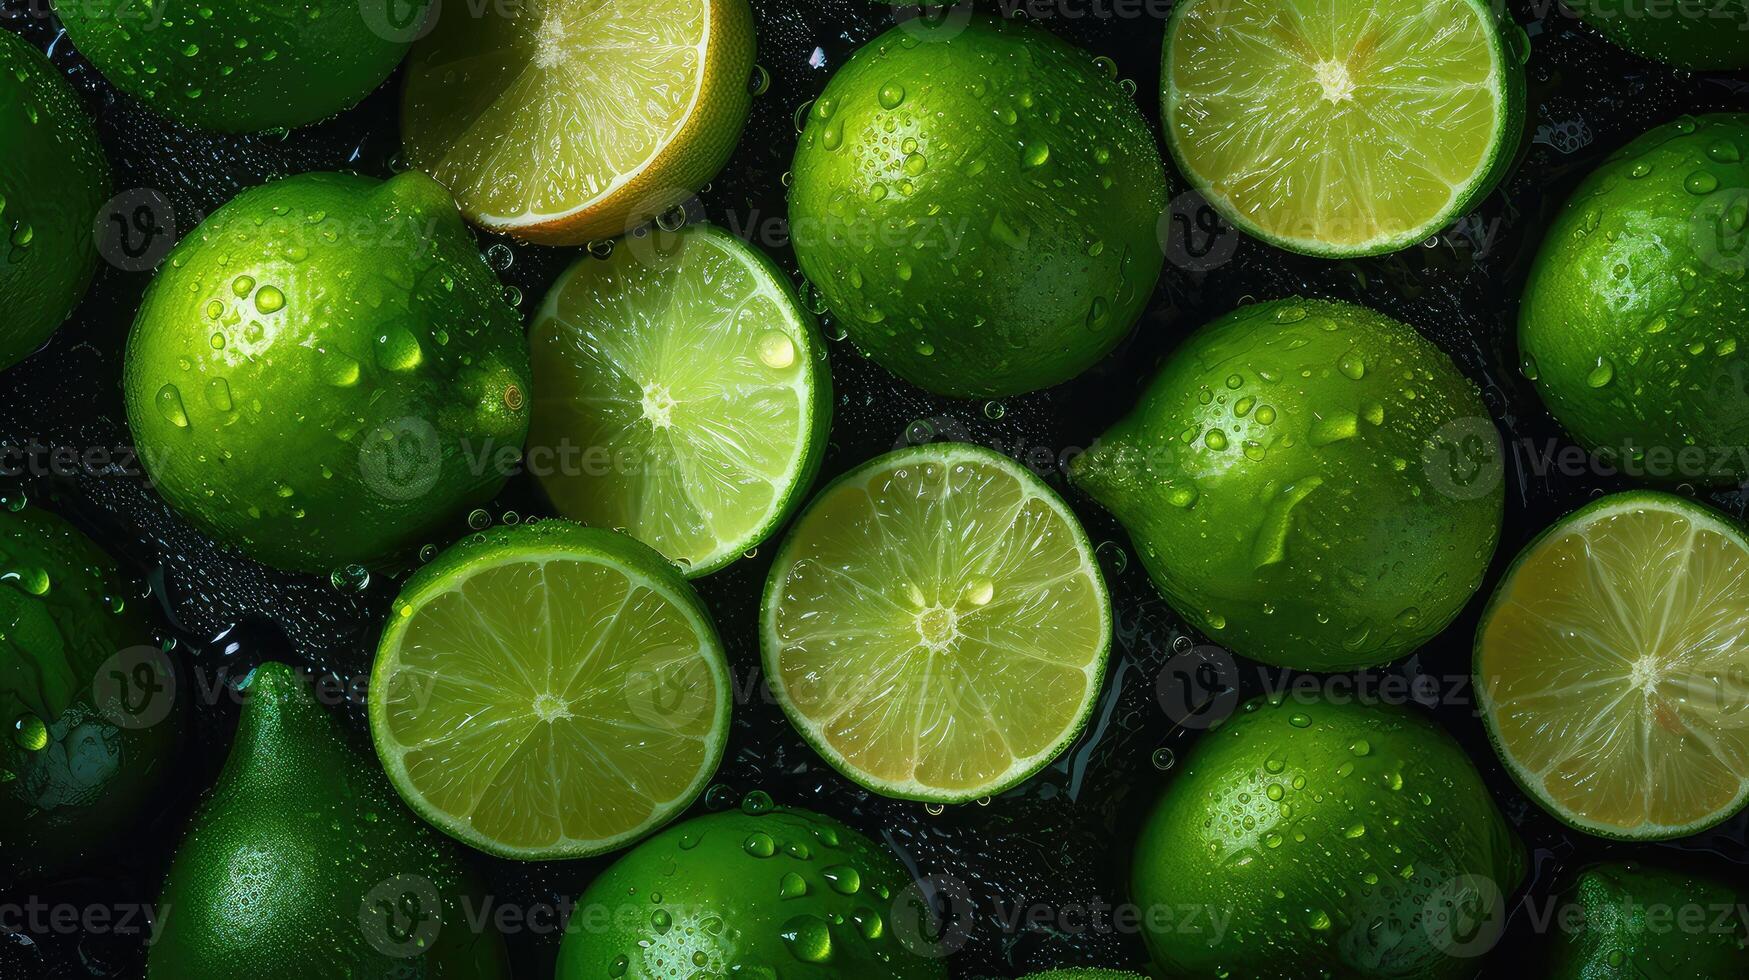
x,y
549,691
936,625
244,65
1310,483
325,371
683,395
1635,320
773,893
978,206
1706,35
1608,671
1637,921
1332,839
53,180
1334,130
89,723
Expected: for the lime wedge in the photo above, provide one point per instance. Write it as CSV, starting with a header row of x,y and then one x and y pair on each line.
x,y
682,395
935,625
1613,667
1343,128
563,121
549,691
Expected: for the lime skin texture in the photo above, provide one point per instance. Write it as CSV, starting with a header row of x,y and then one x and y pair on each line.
x,y
325,371
1635,319
1703,35
978,207
53,181
242,66
1310,483
1334,838
302,863
77,769
782,892
1637,921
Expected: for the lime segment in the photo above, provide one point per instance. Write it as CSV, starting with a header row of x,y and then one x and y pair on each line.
x,y
935,625
550,691
1612,664
1339,128
682,395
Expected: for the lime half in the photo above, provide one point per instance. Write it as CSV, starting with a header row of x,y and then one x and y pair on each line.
x,y
549,691
1613,667
682,395
935,625
1342,128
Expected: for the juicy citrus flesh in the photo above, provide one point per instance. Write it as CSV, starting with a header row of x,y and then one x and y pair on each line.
x,y
936,625
1615,667
560,105
550,707
687,373
1340,125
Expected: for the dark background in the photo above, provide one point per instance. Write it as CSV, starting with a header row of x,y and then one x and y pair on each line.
x,y
1060,841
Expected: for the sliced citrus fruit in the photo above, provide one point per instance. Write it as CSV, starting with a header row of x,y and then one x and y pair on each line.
x,y
565,121
1342,128
935,625
549,691
1612,666
683,395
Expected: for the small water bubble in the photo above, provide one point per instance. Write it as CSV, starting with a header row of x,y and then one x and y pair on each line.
x,y
500,257
1112,557
760,82
934,809
30,734
672,219
479,520
1164,758
756,803
350,578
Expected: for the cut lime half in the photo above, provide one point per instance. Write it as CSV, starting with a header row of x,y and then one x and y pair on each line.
x,y
1343,128
549,691
935,625
1613,667
681,394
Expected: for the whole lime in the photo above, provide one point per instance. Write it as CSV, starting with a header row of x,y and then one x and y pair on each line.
x,y
1317,838
87,701
1705,35
245,65
325,371
53,180
977,205
1635,320
775,893
1310,483
1629,920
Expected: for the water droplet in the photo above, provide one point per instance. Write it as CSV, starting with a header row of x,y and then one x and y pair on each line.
x,y
979,592
1112,557
1035,154
844,879
759,844
1352,365
776,350
809,938
218,395
500,257
350,578
479,520
1700,182
398,350
1724,151
756,803
30,733
791,885
269,300
169,403
1164,759
1602,374
892,95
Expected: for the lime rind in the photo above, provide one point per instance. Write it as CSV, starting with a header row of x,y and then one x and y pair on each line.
x,y
1020,770
642,567
1528,782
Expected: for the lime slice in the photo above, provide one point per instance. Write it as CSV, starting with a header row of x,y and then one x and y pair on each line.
x,y
935,625
1343,128
1613,667
682,395
549,691
563,121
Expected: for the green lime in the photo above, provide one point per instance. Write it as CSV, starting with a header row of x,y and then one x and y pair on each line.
x,y
53,181
1336,129
683,395
1310,483
548,690
1635,921
325,372
1325,838
935,624
1705,35
977,205
88,723
1608,671
771,893
244,65
1635,320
